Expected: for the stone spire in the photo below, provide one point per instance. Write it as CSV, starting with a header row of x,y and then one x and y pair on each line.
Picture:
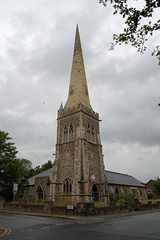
x,y
78,90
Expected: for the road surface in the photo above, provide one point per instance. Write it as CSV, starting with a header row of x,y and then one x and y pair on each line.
x,y
135,227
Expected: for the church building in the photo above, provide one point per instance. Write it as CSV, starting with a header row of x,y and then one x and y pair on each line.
x,y
78,173
78,170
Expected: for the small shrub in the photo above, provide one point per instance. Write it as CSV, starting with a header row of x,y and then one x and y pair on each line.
x,y
111,198
150,196
144,202
129,197
7,194
121,202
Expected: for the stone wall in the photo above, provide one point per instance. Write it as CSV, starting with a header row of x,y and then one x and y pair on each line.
x,y
138,206
82,209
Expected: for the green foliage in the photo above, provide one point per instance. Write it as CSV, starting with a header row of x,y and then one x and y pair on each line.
x,y
150,196
8,162
111,198
129,197
157,186
7,193
43,168
136,32
12,169
121,202
24,167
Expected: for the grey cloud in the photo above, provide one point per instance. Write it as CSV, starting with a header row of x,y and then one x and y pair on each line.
x,y
36,58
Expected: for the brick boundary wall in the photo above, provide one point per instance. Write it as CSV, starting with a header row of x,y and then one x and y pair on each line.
x,y
82,209
143,207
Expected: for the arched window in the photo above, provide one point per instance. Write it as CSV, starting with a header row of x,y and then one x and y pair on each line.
x,y
141,193
67,186
126,193
65,134
40,193
134,192
116,194
92,134
71,132
88,132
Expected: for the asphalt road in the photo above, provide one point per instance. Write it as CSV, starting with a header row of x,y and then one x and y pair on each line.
x,y
24,227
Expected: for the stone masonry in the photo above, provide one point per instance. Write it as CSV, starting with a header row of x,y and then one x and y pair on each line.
x,y
78,170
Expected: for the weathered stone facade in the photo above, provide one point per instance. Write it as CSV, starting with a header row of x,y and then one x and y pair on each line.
x,y
78,170
39,191
119,191
118,186
36,188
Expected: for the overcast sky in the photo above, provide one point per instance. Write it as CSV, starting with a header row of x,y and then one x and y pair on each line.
x,y
36,49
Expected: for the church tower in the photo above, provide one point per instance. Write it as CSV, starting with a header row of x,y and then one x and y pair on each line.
x,y
78,170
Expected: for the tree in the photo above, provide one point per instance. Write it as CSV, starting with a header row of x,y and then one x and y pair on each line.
x,y
7,157
157,187
12,169
8,171
136,31
46,166
43,168
25,167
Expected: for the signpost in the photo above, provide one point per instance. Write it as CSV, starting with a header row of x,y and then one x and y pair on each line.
x,y
15,189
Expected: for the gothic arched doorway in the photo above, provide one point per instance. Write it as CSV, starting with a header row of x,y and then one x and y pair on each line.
x,y
95,197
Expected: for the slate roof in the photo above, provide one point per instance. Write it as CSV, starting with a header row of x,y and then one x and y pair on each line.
x,y
112,178
31,181
122,179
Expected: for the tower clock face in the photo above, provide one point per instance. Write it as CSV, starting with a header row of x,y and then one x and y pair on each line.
x,y
93,177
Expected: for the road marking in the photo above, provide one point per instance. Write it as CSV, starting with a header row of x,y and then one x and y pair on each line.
x,y
45,227
59,224
5,231
9,231
32,220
